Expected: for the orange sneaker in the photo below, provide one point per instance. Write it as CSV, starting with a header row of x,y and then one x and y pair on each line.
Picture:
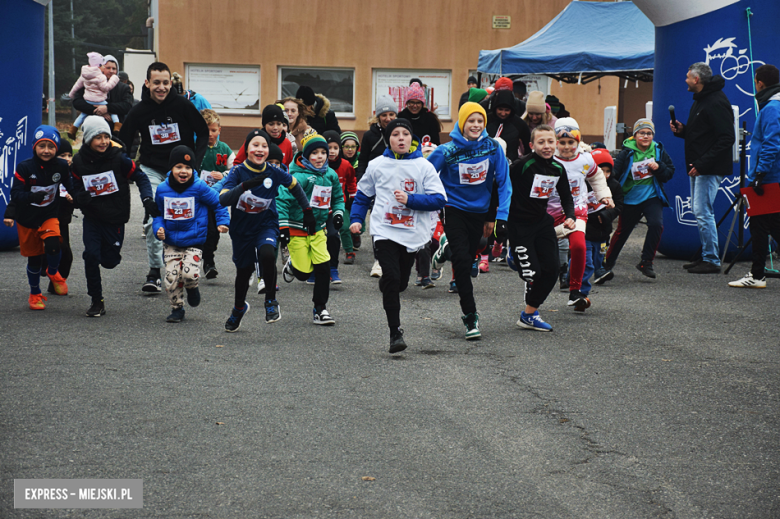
x,y
60,285
37,302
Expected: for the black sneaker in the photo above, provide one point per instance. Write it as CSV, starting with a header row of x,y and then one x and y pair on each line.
x,y
234,321
153,283
177,315
692,264
578,300
210,271
97,309
563,277
397,343
646,268
322,317
705,267
272,313
604,277
471,321
355,241
193,296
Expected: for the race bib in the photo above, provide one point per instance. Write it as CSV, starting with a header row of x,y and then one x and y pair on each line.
x,y
576,188
543,186
594,204
164,133
320,197
101,184
252,204
474,173
179,208
399,216
63,191
207,178
640,170
50,193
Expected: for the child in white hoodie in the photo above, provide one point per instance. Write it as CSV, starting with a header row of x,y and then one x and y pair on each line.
x,y
96,88
405,188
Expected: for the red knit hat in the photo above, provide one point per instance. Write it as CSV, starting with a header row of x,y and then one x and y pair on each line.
x,y
504,83
602,156
415,93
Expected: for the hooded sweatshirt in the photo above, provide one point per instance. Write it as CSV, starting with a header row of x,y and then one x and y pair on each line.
x,y
323,190
512,128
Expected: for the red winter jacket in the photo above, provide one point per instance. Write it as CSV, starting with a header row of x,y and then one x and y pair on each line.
x,y
347,178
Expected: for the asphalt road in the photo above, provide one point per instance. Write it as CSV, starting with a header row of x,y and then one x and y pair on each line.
x,y
660,401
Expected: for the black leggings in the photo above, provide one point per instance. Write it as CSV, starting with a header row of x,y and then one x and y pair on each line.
x,y
464,234
267,258
333,242
535,248
321,283
396,263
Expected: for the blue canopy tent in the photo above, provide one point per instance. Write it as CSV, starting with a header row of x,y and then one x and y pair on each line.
x,y
575,48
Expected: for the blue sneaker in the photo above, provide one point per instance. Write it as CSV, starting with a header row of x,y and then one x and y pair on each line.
x,y
475,268
193,297
510,260
533,322
310,281
272,313
234,321
436,274
427,283
334,276
453,287
177,315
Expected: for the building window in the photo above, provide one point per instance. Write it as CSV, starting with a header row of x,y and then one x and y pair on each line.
x,y
231,89
394,82
336,84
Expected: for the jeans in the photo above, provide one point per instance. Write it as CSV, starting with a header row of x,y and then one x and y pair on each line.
x,y
154,247
704,188
653,211
592,263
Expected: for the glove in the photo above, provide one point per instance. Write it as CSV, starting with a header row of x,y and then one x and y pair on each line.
x,y
10,211
500,230
151,208
253,182
37,197
309,222
338,221
757,188
84,199
284,236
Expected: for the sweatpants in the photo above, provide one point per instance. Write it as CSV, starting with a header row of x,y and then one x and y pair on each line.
x,y
464,232
334,241
396,263
535,248
760,228
102,248
182,271
423,261
266,256
653,211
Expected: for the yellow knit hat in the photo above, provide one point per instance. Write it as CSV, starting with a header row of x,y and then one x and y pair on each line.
x,y
465,112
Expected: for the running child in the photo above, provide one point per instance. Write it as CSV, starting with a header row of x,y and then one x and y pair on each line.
x,y
405,189
350,150
346,174
185,202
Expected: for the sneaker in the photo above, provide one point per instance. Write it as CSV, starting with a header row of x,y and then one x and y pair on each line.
x,y
287,273
533,322
376,270
153,284
210,271
272,312
603,277
438,259
453,287
646,268
510,261
692,264
349,259
705,267
193,296
177,315
58,283
285,254
749,282
475,268
578,300
496,252
397,343
97,309
484,267
334,276
504,254
261,286
436,274
355,241
427,283
418,282
37,301
234,321
563,277
322,317
310,281
472,326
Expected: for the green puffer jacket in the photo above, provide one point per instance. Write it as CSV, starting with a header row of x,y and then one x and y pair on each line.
x,y
324,193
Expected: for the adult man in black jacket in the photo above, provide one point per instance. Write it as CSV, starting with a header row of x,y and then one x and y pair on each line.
x,y
709,136
120,98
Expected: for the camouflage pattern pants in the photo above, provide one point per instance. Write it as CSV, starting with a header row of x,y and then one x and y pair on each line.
x,y
182,270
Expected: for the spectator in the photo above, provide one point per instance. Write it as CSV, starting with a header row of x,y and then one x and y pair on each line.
x,y
764,169
472,83
426,124
324,118
709,136
123,77
120,99
200,102
537,112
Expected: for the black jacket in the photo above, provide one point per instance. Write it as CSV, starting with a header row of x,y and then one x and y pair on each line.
x,y
31,175
709,132
373,146
599,231
175,109
514,130
528,207
324,118
120,101
424,124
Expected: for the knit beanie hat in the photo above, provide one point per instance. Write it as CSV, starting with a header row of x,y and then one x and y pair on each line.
x,y
255,133
535,103
504,98
50,133
466,110
93,126
472,79
568,127
275,153
644,124
400,122
345,136
332,136
415,93
109,57
273,113
64,147
602,156
306,94
385,104
477,94
312,142
519,87
95,59
181,155
504,83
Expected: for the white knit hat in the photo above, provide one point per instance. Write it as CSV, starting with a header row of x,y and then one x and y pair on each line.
x,y
93,126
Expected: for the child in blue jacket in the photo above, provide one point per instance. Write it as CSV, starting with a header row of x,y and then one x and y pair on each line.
x,y
184,201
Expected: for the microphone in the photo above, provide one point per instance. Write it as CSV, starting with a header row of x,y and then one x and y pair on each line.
x,y
671,113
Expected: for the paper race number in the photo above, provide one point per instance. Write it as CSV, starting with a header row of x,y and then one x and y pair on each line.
x,y
640,170
252,204
543,186
179,208
320,197
164,133
50,193
100,184
473,173
399,215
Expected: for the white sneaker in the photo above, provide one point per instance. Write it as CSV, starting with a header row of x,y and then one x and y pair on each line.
x,y
287,273
261,286
285,254
749,282
376,270
322,317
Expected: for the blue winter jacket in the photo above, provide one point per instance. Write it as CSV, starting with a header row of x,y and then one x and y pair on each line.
x,y
468,170
185,215
765,144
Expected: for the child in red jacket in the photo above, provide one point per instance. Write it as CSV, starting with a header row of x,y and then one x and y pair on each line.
x,y
348,182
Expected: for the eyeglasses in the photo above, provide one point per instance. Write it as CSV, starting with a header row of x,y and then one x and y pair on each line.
x,y
645,134
350,148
